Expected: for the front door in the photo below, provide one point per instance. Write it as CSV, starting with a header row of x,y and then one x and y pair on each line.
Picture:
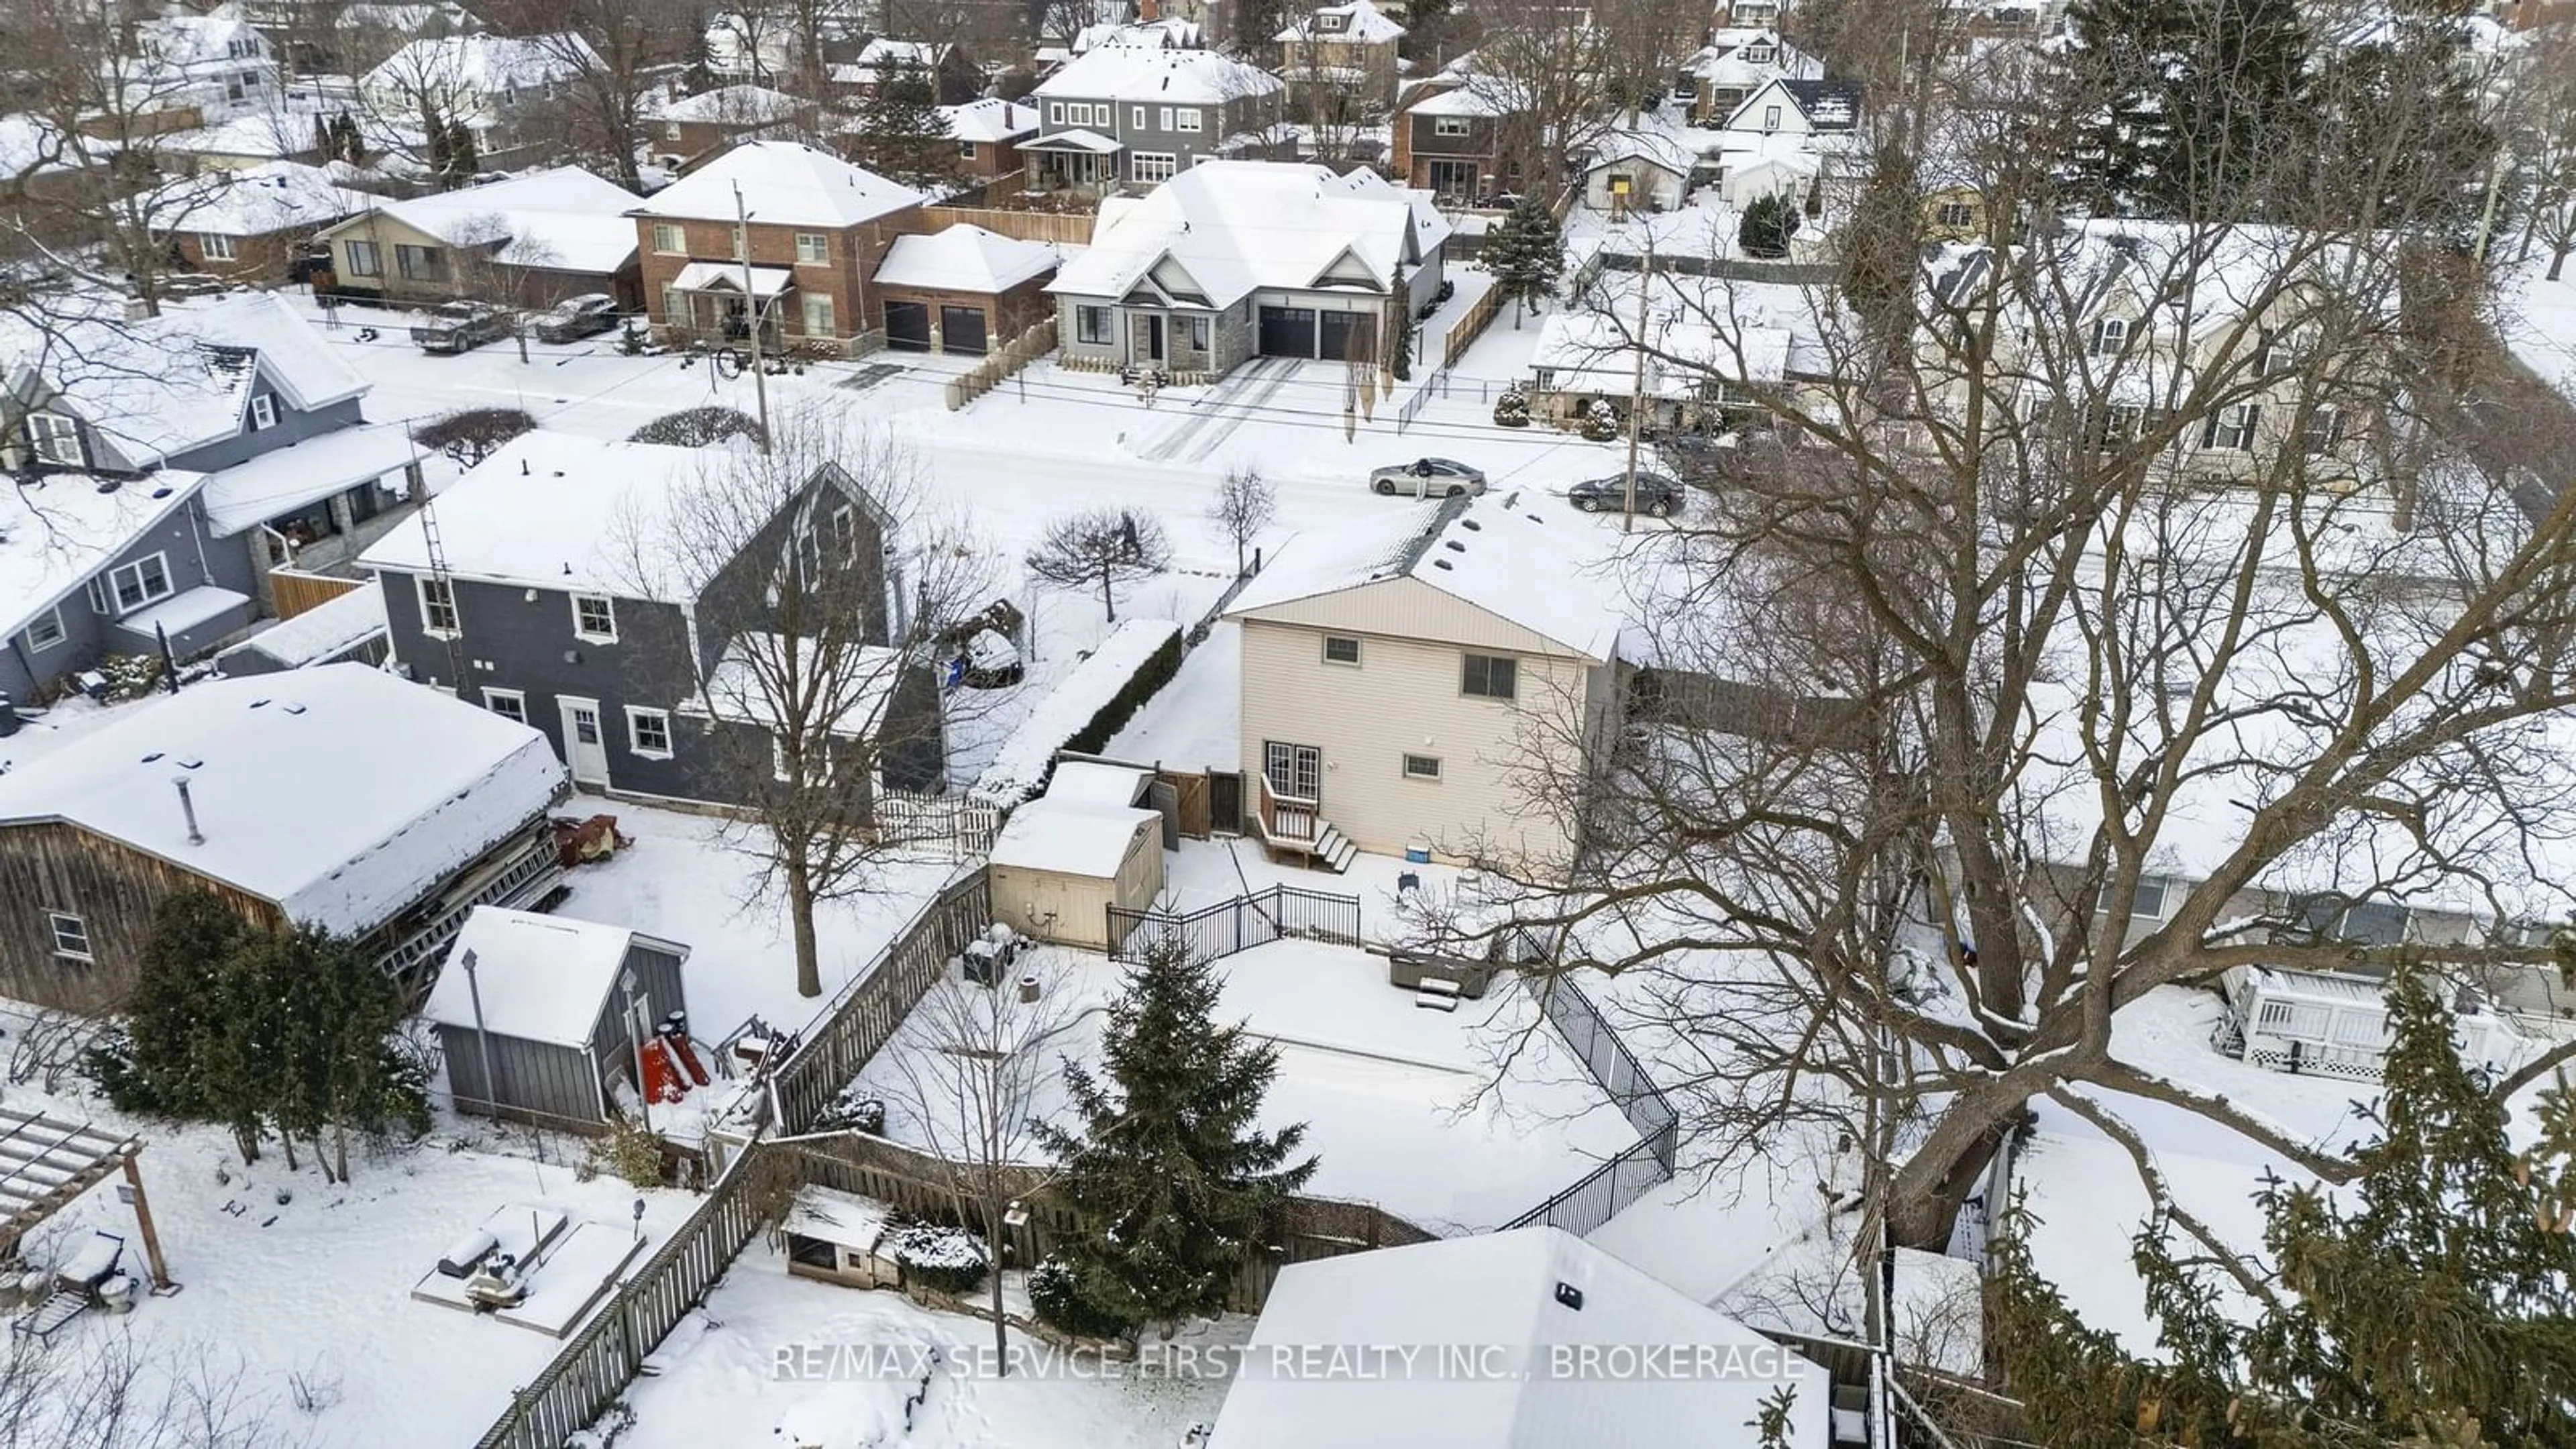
x,y
1296,770
1147,342
585,748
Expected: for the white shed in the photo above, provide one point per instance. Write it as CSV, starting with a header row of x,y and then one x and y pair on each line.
x,y
1061,863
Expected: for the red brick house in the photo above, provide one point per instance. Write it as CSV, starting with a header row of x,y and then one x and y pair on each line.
x,y
250,225
692,128
818,228
1450,140
963,289
988,135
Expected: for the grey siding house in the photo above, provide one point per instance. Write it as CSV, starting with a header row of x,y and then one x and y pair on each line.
x,y
151,466
571,602
1133,116
534,1017
1241,259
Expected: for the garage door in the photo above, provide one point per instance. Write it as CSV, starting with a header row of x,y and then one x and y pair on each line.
x,y
908,326
1347,335
961,329
1287,331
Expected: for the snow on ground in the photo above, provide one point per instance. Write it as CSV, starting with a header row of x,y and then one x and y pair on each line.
x,y
684,881
1065,626
320,1285
724,1382
1194,722
1401,1104
2538,320
1204,872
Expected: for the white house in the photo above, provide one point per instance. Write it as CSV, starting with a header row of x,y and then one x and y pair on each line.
x,y
1237,259
1645,167
1538,1321
1400,670
1815,108
1735,63
486,82
215,63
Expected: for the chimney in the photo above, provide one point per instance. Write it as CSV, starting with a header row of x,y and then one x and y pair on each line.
x,y
188,807
1148,11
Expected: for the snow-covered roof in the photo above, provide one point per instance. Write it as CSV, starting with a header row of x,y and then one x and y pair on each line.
x,y
964,258
1069,837
990,119
160,386
1475,94
32,145
562,219
484,63
257,200
1522,1292
882,57
1079,138
1361,23
845,1218
1590,352
1485,550
1230,227
783,183
1651,141
1171,77
248,494
182,40
1727,60
57,529
554,511
329,628
540,978
1169,33
735,105
1097,782
384,837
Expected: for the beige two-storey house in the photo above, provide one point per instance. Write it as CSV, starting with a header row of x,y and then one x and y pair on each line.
x,y
1432,679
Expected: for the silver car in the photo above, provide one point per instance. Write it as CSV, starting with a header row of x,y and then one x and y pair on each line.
x,y
1428,478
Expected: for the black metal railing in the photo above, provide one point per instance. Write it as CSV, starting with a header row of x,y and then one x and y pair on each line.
x,y
1240,924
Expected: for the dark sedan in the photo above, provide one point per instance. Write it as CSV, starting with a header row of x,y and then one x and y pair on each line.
x,y
1657,495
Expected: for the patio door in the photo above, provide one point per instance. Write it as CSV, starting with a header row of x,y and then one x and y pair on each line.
x,y
585,747
1296,770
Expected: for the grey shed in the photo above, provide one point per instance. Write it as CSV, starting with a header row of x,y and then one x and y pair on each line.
x,y
546,1003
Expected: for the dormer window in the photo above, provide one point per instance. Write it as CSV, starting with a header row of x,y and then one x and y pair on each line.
x,y
1331,22
2110,335
263,412
1759,53
56,439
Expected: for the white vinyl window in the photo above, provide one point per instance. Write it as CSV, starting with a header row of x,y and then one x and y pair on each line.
x,y
813,248
1770,118
2110,335
1449,125
509,704
1492,676
2150,903
1152,166
1163,118
594,617
263,412
1758,53
437,606
1421,767
648,732
55,438
818,761
1340,650
965,150
670,239
364,259
46,632
124,589
2233,427
71,935
1055,113
214,246
818,314
1136,117
1091,326
1185,120
2321,432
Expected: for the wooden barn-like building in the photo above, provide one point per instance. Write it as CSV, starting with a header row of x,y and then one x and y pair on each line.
x,y
541,1017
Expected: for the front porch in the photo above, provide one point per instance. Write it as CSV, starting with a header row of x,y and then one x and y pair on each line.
x,y
707,302
1079,161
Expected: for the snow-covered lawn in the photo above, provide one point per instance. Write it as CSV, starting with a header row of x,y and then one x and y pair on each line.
x,y
722,1384
2538,319
1204,872
319,1285
1458,1122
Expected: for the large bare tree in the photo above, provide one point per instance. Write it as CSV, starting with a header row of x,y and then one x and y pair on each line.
x,y
2102,606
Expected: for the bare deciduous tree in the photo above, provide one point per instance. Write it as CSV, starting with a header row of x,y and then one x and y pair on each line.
x,y
1244,505
1103,546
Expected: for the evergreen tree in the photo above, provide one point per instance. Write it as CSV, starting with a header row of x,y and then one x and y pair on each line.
x,y
2432,1301
1767,226
902,136
1399,346
464,156
2184,106
1526,254
1171,1183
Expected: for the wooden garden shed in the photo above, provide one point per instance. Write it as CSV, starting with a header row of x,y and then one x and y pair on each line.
x,y
544,1001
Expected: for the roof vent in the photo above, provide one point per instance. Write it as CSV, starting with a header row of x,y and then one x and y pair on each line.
x,y
1471,525
161,492
1454,546
1440,563
109,485
190,762
148,759
295,709
259,704
1570,1296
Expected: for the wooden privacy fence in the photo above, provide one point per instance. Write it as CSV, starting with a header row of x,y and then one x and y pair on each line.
x,y
298,592
1470,326
857,1026
1035,342
1240,924
1070,227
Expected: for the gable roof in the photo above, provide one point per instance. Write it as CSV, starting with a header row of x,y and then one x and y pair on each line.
x,y
883,57
1175,76
1234,226
485,63
1471,94
539,978
1068,836
784,183
964,258
563,219
1169,33
257,200
158,387
734,105
58,529
1483,550
468,781
1510,1291
1362,23
990,119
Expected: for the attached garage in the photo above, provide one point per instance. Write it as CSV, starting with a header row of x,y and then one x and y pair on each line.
x,y
1060,864
1288,332
907,326
1348,336
961,329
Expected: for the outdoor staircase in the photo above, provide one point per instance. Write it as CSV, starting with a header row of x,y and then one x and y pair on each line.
x,y
1334,850
1289,824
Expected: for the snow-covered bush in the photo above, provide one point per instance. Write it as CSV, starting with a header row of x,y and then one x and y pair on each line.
x,y
130,676
1600,421
851,1110
1060,1305
941,1259
1511,410
699,427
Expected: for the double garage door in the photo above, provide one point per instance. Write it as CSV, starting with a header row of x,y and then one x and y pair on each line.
x,y
1307,332
961,329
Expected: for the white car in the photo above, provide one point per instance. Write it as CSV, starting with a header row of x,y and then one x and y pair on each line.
x,y
1428,478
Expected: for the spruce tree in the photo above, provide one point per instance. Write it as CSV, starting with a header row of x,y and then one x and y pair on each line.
x,y
1767,226
1526,254
1399,346
2431,1301
2184,106
1171,1182
902,136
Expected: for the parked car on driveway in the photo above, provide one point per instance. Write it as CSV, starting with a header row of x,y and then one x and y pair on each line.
x,y
1657,495
1428,478
574,318
457,326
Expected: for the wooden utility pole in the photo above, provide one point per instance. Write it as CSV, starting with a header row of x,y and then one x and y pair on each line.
x,y
1637,390
751,309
